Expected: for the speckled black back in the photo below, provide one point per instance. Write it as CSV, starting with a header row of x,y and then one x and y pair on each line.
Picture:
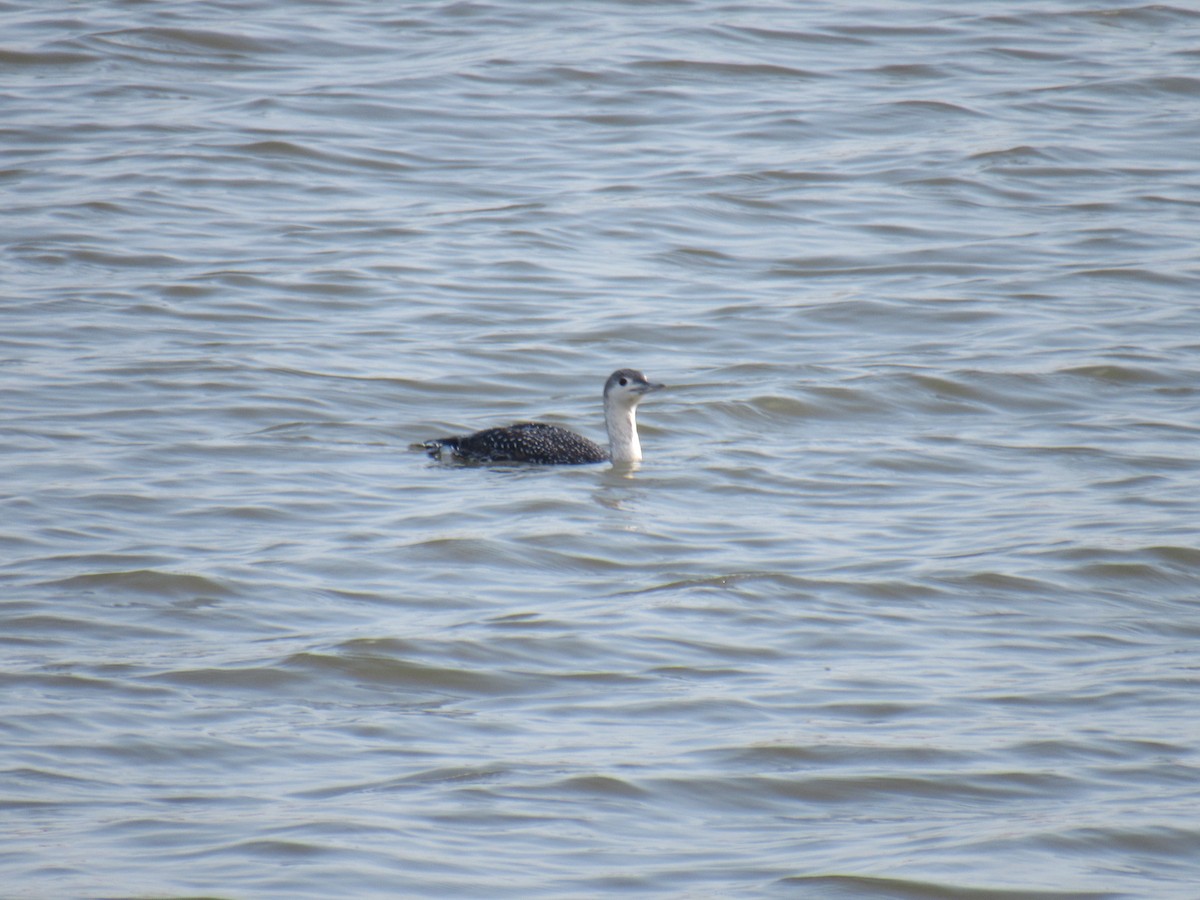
x,y
527,442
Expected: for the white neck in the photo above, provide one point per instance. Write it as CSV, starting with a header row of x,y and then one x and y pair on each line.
x,y
623,444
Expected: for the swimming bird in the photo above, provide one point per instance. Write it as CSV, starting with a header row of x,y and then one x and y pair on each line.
x,y
549,445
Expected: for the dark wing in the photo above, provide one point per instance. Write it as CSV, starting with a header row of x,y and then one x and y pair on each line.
x,y
527,442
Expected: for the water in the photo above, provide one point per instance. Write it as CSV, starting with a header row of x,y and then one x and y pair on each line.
x,y
903,601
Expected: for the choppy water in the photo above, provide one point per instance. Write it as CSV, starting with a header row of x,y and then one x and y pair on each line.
x,y
904,602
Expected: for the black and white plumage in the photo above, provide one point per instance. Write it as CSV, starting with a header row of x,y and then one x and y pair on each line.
x,y
549,445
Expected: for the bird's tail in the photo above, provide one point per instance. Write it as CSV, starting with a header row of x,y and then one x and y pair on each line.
x,y
439,446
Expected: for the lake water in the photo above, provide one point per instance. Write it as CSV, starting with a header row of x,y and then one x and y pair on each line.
x,y
902,603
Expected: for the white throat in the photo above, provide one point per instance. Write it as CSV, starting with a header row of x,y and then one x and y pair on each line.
x,y
621,421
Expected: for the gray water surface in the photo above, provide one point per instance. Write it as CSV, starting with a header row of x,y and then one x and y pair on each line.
x,y
903,601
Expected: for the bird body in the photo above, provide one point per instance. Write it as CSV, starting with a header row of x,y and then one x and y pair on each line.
x,y
531,442
542,444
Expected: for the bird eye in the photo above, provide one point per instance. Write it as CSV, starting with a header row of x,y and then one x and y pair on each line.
x,y
624,381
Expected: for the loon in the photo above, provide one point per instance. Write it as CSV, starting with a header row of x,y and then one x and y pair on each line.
x,y
549,445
